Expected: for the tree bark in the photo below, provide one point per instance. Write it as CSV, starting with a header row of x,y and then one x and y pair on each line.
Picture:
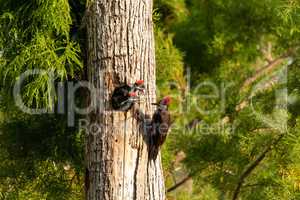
x,y
120,50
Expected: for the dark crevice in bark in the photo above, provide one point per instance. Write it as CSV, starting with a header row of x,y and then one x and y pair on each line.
x,y
87,179
135,175
124,154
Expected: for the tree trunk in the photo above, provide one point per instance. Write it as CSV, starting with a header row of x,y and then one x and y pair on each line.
x,y
120,50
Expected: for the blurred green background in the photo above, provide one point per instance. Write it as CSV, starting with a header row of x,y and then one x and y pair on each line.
x,y
240,141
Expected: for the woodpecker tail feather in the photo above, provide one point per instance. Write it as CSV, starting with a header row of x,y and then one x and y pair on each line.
x,y
153,151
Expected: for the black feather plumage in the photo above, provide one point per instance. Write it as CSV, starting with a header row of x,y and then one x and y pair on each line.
x,y
161,122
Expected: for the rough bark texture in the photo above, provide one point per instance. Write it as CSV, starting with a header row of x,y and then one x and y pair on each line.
x,y
120,50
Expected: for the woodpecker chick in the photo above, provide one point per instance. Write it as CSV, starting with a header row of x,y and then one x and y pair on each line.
x,y
125,96
139,86
161,121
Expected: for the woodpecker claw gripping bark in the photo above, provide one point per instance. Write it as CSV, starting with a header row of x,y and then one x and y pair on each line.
x,y
124,97
160,124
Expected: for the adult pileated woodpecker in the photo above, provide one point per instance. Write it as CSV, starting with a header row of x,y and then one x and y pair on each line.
x,y
125,96
161,121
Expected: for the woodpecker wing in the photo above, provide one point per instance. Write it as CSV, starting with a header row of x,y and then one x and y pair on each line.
x,y
164,126
161,121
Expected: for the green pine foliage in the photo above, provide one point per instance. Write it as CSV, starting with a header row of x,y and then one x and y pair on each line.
x,y
35,35
40,157
219,42
222,42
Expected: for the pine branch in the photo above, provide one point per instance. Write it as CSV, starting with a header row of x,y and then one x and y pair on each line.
x,y
252,166
266,69
261,72
272,64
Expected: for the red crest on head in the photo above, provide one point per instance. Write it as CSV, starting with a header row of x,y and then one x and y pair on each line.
x,y
166,100
139,82
132,94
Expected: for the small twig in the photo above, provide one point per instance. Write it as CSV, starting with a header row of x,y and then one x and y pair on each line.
x,y
174,187
260,184
267,52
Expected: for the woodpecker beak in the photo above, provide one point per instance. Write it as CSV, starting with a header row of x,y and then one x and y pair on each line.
x,y
155,104
141,89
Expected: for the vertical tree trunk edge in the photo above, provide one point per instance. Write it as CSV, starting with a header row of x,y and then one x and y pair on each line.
x,y
120,50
